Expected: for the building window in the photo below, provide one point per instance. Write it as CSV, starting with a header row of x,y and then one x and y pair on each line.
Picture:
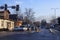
x,y
2,23
8,24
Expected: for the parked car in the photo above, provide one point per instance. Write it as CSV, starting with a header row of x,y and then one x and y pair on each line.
x,y
52,26
21,28
18,29
25,28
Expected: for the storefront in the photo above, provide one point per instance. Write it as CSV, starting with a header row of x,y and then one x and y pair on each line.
x,y
6,24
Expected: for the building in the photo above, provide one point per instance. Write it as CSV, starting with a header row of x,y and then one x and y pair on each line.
x,y
8,20
4,14
18,23
15,18
6,24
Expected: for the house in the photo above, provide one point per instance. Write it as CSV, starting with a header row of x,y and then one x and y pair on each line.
x,y
9,21
6,24
15,18
4,14
18,23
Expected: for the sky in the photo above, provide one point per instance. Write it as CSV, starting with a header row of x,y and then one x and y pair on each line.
x,y
40,7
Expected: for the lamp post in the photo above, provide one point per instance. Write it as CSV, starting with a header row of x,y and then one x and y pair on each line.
x,y
55,10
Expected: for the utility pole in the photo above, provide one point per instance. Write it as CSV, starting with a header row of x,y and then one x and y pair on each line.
x,y
55,10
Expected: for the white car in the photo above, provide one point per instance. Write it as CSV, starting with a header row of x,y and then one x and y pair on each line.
x,y
25,28
21,28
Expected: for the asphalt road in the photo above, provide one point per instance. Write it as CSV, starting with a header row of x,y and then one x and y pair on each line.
x,y
45,34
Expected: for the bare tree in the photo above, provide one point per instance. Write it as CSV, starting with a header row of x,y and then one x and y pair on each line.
x,y
19,14
29,14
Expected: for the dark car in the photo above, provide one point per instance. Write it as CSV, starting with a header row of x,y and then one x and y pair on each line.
x,y
18,29
21,28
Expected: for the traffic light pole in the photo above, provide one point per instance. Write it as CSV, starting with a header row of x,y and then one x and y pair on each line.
x,y
13,7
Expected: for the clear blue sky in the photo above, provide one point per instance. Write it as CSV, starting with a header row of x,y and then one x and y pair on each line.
x,y
41,7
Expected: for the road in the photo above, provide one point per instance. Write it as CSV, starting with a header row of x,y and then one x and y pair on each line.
x,y
45,34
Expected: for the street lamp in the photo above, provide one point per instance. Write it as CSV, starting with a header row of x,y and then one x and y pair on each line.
x,y
55,9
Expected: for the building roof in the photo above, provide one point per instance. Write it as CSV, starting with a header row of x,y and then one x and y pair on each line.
x,y
5,10
8,11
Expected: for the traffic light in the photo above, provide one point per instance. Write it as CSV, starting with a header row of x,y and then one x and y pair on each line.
x,y
17,7
5,6
1,7
13,7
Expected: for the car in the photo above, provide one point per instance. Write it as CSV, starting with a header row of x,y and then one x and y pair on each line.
x,y
18,29
21,28
25,28
52,26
